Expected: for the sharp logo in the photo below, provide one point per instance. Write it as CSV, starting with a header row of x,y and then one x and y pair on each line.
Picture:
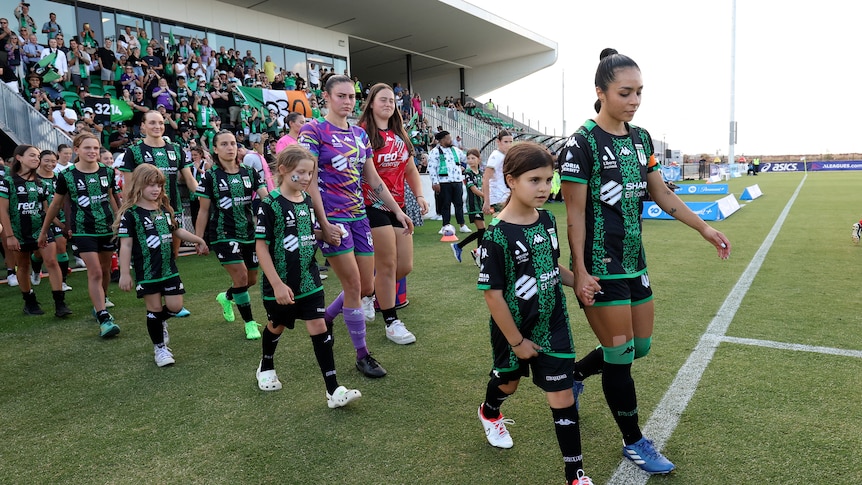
x,y
526,287
225,202
84,201
339,162
154,241
611,193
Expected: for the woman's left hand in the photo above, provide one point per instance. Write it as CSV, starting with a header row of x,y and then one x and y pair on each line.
x,y
405,221
423,205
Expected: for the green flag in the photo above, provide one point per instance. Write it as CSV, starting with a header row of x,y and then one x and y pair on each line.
x,y
108,110
171,40
46,70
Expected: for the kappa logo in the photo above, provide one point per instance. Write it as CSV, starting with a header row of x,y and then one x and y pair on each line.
x,y
526,287
572,142
538,239
611,193
625,151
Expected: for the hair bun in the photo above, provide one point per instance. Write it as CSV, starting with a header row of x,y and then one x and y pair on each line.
x,y
608,51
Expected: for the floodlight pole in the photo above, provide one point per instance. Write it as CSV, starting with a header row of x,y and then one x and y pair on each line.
x,y
732,138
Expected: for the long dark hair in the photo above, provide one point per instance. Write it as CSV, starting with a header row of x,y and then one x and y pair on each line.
x,y
20,150
395,122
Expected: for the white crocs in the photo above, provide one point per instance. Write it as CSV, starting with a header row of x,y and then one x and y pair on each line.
x,y
267,380
341,397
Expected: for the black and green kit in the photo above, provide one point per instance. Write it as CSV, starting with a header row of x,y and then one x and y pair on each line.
x,y
615,169
170,159
474,202
91,212
521,260
152,234
230,195
288,229
27,200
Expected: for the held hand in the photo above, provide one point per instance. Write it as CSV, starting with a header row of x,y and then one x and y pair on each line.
x,y
719,240
283,294
527,349
331,233
487,209
42,241
586,287
202,249
125,282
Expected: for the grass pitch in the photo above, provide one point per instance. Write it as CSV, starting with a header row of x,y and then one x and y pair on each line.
x,y
77,409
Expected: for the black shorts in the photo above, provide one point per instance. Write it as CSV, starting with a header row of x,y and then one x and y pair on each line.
x,y
94,244
170,286
31,245
311,307
626,291
234,252
56,231
381,218
476,217
550,373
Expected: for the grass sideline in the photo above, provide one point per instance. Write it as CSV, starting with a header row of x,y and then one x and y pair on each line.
x,y
77,409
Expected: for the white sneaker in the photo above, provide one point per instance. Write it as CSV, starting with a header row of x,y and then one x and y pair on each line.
x,y
66,287
475,253
12,280
109,303
398,333
496,431
441,231
268,381
857,232
79,263
165,337
464,228
35,278
163,355
368,308
323,276
341,397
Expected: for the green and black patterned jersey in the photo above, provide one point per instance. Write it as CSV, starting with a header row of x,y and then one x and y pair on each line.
x,y
615,170
51,183
152,234
288,229
90,196
474,202
522,262
230,195
170,159
27,202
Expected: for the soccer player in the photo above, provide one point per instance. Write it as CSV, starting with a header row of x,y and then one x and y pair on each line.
x,y
607,167
522,284
475,201
286,243
225,195
88,187
146,227
23,200
393,160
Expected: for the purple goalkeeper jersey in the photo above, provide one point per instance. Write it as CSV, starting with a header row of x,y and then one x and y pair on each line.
x,y
341,155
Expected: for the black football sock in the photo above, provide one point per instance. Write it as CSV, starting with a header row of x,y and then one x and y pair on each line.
x,y
494,398
322,344
619,388
268,342
155,328
590,365
569,438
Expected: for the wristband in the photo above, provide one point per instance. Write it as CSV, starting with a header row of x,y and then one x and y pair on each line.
x,y
519,343
420,196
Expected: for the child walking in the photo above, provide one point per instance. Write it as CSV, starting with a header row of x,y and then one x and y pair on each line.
x,y
522,282
146,225
47,162
473,183
291,286
88,187
23,199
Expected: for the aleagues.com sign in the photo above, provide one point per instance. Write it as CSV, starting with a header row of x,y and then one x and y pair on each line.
x,y
811,166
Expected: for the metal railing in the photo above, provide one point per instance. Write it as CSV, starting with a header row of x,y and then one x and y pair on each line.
x,y
25,125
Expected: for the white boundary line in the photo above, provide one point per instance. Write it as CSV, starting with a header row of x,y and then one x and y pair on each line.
x,y
664,419
797,347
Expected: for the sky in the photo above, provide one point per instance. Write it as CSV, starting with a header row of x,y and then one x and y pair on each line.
x,y
798,67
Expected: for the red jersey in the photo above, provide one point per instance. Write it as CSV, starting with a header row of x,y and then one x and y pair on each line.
x,y
391,162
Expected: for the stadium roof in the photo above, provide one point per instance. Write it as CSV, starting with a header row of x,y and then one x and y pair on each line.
x,y
442,36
